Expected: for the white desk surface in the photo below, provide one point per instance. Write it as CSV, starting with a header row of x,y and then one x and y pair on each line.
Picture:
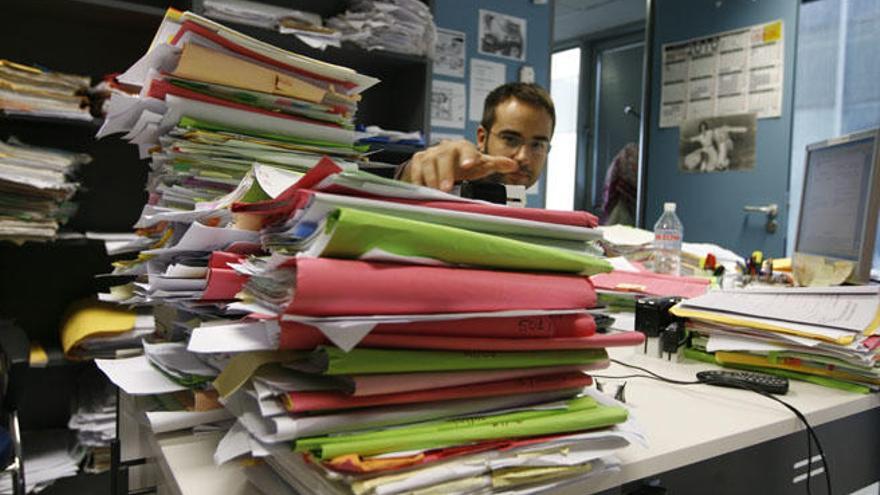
x,y
684,424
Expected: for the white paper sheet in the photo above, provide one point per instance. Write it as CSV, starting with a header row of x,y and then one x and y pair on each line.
x,y
136,376
485,76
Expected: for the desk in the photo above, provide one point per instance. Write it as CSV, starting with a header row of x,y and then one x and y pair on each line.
x,y
702,438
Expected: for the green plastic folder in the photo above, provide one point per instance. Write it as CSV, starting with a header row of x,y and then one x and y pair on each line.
x,y
334,361
582,413
352,233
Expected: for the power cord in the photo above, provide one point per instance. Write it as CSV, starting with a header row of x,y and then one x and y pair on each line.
x,y
811,434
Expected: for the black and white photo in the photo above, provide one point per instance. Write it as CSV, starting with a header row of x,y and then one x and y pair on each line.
x,y
502,35
716,144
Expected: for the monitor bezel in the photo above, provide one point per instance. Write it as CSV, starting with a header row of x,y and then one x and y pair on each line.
x,y
861,273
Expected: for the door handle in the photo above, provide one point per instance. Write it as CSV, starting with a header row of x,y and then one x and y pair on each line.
x,y
771,210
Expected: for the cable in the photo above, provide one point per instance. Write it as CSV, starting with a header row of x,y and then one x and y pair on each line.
x,y
653,375
811,434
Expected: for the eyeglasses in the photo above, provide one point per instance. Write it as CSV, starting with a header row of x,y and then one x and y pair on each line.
x,y
513,142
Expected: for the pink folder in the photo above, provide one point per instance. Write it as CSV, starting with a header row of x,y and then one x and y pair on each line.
x,y
326,287
295,335
654,284
299,336
298,402
479,344
390,383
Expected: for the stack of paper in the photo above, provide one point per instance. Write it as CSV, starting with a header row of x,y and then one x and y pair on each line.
x,y
26,90
95,421
306,26
407,323
35,189
404,26
213,102
821,335
48,455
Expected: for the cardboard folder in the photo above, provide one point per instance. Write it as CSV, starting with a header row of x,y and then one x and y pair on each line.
x,y
204,64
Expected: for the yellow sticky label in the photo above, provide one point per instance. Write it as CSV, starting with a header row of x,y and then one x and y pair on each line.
x,y
773,31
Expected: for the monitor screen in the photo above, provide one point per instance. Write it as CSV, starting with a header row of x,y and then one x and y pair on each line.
x,y
836,199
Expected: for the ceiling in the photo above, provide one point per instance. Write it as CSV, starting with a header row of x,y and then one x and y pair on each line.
x,y
581,18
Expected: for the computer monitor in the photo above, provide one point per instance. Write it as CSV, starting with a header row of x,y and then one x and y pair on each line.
x,y
840,201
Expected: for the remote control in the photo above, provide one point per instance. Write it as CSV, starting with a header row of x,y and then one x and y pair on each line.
x,y
745,379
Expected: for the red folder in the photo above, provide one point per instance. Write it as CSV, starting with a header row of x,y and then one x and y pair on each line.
x,y
304,337
654,284
221,259
480,344
280,208
223,284
327,287
298,402
296,335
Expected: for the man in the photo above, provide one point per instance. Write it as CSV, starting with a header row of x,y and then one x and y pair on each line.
x,y
512,143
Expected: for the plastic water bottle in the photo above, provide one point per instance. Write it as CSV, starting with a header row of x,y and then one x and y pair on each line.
x,y
668,233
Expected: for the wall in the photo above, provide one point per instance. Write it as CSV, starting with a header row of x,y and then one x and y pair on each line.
x,y
711,205
462,15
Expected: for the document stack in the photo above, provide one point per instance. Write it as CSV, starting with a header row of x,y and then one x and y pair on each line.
x,y
406,308
26,90
427,328
404,26
214,101
94,329
35,190
826,336
95,421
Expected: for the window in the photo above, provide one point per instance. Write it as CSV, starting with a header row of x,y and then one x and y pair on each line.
x,y
565,69
836,90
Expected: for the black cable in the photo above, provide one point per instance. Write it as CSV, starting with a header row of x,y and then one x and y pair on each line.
x,y
653,375
811,434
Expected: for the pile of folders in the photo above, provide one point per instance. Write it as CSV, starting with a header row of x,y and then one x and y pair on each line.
x,y
396,336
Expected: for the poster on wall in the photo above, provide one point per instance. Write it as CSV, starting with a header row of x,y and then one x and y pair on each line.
x,y
485,76
447,104
717,144
727,73
449,53
502,35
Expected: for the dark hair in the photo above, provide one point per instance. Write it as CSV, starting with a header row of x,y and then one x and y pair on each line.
x,y
529,93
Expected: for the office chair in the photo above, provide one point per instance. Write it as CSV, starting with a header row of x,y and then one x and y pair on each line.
x,y
14,361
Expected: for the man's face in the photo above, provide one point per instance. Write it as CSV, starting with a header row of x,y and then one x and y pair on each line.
x,y
521,131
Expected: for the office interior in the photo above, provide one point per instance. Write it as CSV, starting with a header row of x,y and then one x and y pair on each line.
x,y
619,152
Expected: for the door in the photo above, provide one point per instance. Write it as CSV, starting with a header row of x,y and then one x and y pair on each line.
x,y
619,64
712,206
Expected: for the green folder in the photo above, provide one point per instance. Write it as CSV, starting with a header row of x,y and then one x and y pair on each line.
x,y
582,413
331,360
352,233
708,357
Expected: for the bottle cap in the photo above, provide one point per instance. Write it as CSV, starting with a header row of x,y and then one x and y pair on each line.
x,y
669,207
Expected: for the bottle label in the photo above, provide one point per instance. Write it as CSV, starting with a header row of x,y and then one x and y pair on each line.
x,y
667,237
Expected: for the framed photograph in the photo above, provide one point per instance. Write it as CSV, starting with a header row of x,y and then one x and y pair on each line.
x,y
502,35
718,144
